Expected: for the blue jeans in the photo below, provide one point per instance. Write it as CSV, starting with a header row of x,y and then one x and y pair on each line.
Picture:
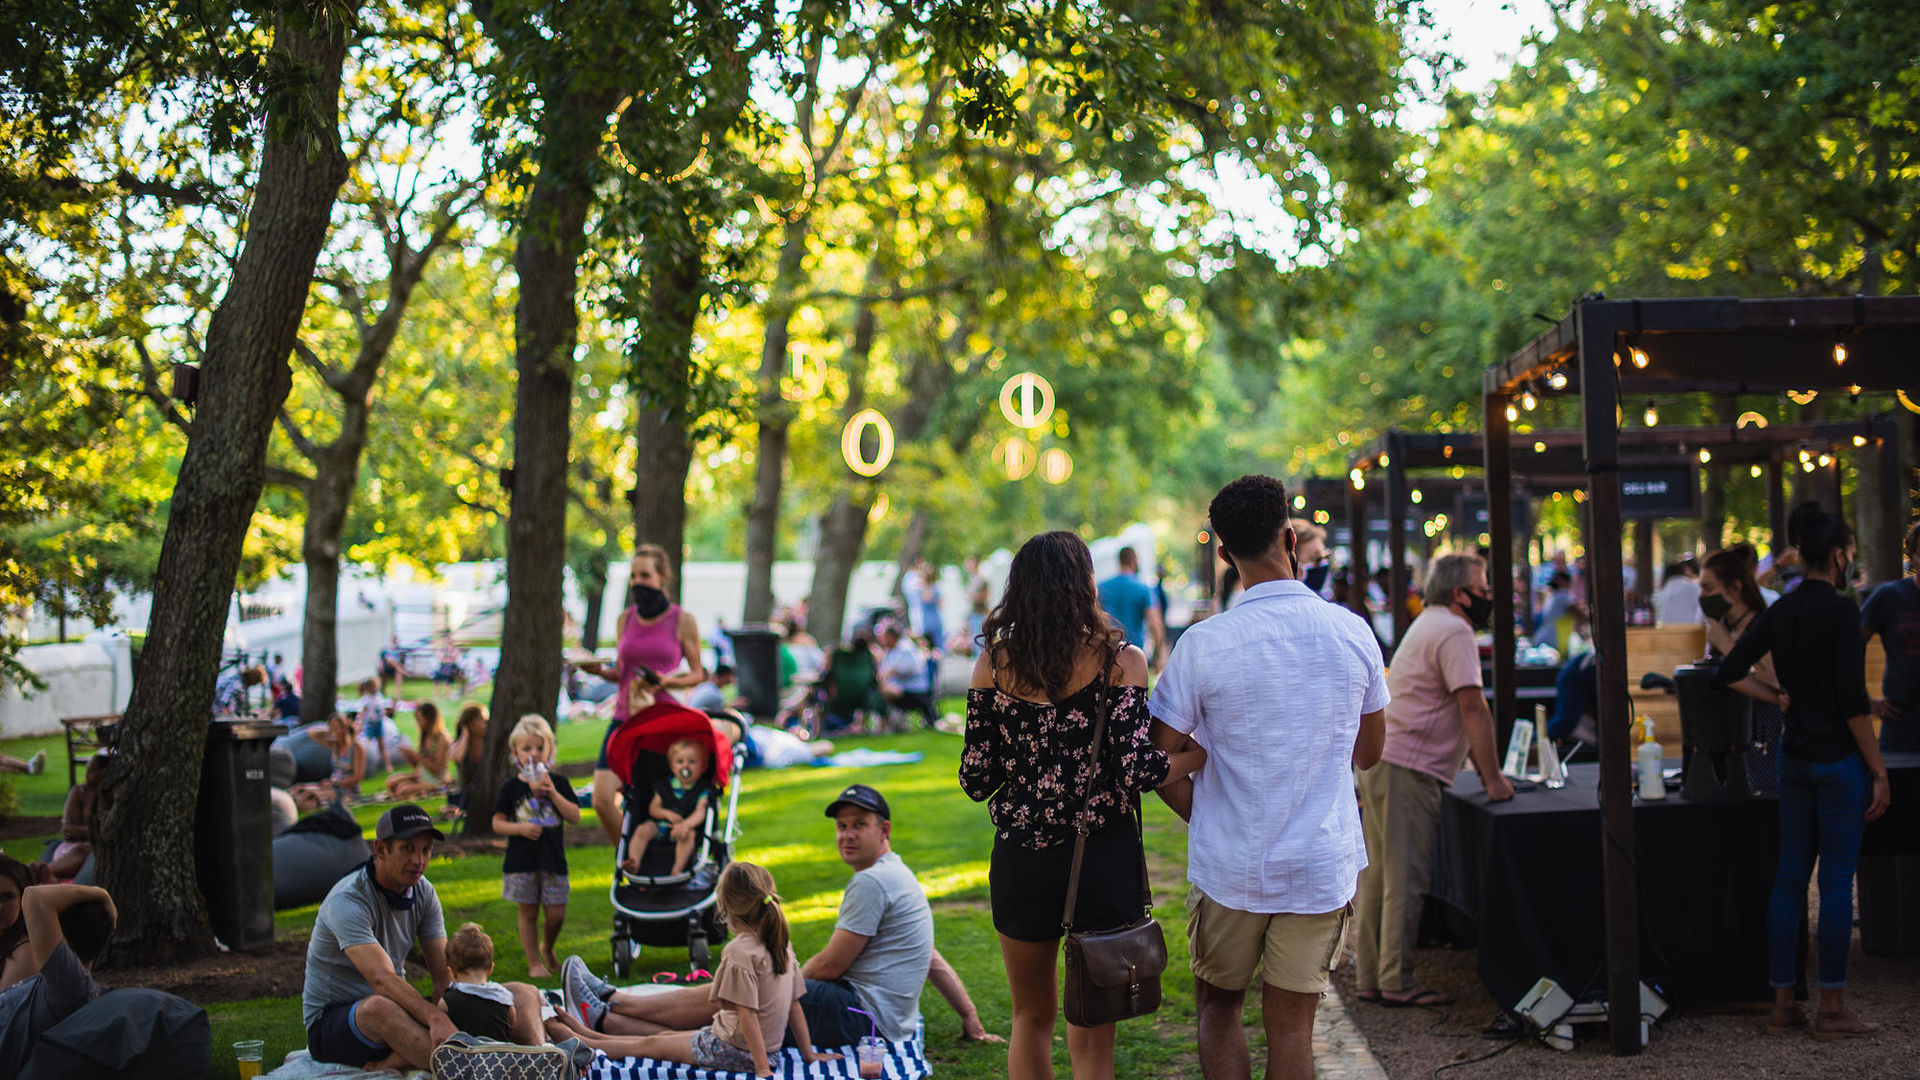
x,y
1823,811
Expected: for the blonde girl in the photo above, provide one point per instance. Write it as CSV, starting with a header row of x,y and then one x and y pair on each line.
x,y
533,808
757,991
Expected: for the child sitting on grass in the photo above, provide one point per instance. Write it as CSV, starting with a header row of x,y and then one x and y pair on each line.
x,y
529,812
475,1003
429,775
757,990
679,806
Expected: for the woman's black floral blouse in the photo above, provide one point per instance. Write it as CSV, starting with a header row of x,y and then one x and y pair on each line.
x,y
1031,758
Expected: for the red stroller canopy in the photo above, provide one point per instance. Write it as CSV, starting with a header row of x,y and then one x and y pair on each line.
x,y
658,727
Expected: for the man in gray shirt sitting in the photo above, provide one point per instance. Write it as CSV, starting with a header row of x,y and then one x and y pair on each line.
x,y
358,1006
67,930
879,958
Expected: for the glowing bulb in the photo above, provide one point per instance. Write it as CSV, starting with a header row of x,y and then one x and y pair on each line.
x,y
1839,353
1557,380
1802,397
1512,413
1640,357
1859,440
1805,456
1415,495
1458,472
1754,472
1706,455
1652,415
1383,459
1203,537
1539,447
1321,517
1527,401
1825,461
1806,466
1299,502
1579,496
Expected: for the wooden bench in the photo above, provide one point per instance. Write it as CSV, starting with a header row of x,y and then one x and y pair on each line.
x,y
84,740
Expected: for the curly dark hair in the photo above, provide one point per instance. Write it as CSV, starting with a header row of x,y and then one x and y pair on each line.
x,y
1049,612
1249,515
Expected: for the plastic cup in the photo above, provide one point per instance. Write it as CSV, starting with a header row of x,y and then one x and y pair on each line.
x,y
247,1055
873,1056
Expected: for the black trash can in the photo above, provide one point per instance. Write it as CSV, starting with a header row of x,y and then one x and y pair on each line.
x,y
233,832
756,667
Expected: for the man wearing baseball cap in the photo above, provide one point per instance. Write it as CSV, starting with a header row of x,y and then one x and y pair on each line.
x,y
358,1006
879,958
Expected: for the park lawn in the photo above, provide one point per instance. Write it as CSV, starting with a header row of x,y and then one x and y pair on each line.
x,y
942,835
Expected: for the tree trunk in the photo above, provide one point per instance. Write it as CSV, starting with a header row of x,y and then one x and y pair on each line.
x,y
546,326
593,582
843,533
910,545
327,497
676,284
145,811
770,461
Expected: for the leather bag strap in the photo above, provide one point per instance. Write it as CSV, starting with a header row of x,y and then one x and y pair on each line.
x,y
1080,843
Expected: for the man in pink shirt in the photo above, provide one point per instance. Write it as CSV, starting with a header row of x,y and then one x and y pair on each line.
x,y
1438,716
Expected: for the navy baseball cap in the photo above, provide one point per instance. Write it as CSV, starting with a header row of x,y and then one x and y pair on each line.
x,y
403,821
864,797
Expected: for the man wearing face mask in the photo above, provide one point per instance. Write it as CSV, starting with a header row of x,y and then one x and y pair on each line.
x,y
1437,717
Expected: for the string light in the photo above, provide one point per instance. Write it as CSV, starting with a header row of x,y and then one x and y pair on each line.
x,y
1415,495
1839,353
1539,447
1512,413
1859,440
1299,502
1527,400
1383,461
1802,397
1359,481
1706,455
1826,461
1640,357
1754,471
1751,418
1557,380
1652,415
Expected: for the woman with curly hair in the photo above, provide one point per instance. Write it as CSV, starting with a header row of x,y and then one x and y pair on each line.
x,y
1051,660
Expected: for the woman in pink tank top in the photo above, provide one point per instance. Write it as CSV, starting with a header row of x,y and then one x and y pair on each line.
x,y
655,634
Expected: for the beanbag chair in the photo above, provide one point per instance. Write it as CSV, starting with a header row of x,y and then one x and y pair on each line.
x,y
314,854
312,761
126,1034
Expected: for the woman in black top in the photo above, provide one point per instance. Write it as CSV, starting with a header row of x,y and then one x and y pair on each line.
x,y
1731,600
1051,657
1832,779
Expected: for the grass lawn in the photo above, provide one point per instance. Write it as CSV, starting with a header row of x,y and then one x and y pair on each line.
x,y
942,835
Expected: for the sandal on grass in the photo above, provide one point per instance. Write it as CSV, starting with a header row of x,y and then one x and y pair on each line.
x,y
1419,997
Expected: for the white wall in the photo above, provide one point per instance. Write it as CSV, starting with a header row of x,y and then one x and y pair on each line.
x,y
80,680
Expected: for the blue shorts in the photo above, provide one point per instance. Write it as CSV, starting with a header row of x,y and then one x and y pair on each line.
x,y
604,740
829,1022
336,1040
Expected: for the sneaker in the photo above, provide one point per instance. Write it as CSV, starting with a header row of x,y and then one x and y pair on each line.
x,y
37,764
601,988
577,983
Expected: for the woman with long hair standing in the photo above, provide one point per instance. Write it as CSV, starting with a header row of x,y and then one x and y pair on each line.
x,y
1730,601
1832,778
1051,660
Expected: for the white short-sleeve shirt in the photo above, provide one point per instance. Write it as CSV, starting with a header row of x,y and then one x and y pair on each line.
x,y
1274,689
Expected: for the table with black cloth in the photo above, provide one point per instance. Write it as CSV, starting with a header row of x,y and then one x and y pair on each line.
x,y
1528,873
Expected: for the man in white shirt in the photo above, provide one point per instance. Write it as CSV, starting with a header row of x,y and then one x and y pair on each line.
x,y
1287,693
1678,601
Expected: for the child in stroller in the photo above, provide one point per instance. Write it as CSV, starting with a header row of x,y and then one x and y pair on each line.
x,y
679,807
664,885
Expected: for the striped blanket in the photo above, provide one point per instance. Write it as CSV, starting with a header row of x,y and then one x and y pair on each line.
x,y
906,1060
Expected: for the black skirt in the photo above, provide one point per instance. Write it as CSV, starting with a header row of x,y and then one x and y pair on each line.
x,y
1029,888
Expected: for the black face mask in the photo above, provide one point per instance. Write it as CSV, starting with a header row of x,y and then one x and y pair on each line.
x,y
1317,576
398,901
1714,606
650,602
1479,610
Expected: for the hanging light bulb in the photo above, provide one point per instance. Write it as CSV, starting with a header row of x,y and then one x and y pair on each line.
x,y
1359,481
1539,447
1806,466
1383,461
1640,357
1706,455
1754,471
1839,352
1512,413
1750,417
1859,440
1557,380
1805,455
1802,397
1826,461
1527,401
1415,495
1652,415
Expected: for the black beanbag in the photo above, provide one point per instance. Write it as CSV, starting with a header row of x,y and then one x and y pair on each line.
x,y
311,761
126,1034
314,854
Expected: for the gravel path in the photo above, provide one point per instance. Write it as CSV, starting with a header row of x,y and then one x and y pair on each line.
x,y
1723,1042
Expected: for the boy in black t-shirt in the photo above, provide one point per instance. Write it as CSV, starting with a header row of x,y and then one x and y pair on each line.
x,y
529,813
474,1002
679,807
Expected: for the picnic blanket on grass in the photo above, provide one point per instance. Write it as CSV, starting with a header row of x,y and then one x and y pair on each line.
x,y
906,1060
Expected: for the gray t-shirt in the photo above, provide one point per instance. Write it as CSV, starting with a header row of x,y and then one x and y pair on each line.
x,y
34,1004
356,912
884,904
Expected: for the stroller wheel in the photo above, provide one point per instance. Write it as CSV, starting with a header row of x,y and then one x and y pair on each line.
x,y
698,953
623,952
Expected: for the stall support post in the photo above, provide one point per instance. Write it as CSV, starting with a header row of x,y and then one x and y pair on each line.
x,y
1498,449
1600,428
1357,550
1397,534
1894,518
1777,503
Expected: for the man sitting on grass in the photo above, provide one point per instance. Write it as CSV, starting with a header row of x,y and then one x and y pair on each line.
x,y
879,958
358,1006
67,930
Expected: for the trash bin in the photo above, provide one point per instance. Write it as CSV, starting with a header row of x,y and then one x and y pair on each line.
x,y
756,668
233,832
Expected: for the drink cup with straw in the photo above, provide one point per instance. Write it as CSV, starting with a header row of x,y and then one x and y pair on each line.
x,y
872,1051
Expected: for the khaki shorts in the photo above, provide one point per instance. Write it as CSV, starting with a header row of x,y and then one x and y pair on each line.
x,y
1291,952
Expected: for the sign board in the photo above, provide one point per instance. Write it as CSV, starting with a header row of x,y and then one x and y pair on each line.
x,y
1660,491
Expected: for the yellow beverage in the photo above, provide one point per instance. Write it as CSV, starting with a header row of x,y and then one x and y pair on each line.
x,y
249,1069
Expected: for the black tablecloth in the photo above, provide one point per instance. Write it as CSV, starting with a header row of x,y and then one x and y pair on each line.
x,y
1528,872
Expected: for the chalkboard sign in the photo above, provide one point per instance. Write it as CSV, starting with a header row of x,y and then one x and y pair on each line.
x,y
1663,491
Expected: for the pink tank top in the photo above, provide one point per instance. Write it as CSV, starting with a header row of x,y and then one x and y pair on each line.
x,y
655,646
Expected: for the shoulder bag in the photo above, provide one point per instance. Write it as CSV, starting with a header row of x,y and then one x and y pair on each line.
x,y
1111,975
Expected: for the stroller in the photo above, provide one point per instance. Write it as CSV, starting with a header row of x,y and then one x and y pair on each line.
x,y
656,906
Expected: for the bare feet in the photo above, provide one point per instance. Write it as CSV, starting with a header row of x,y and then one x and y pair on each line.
x,y
631,864
549,961
1829,1027
538,970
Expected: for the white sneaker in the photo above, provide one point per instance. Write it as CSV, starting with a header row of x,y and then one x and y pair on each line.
x,y
37,764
